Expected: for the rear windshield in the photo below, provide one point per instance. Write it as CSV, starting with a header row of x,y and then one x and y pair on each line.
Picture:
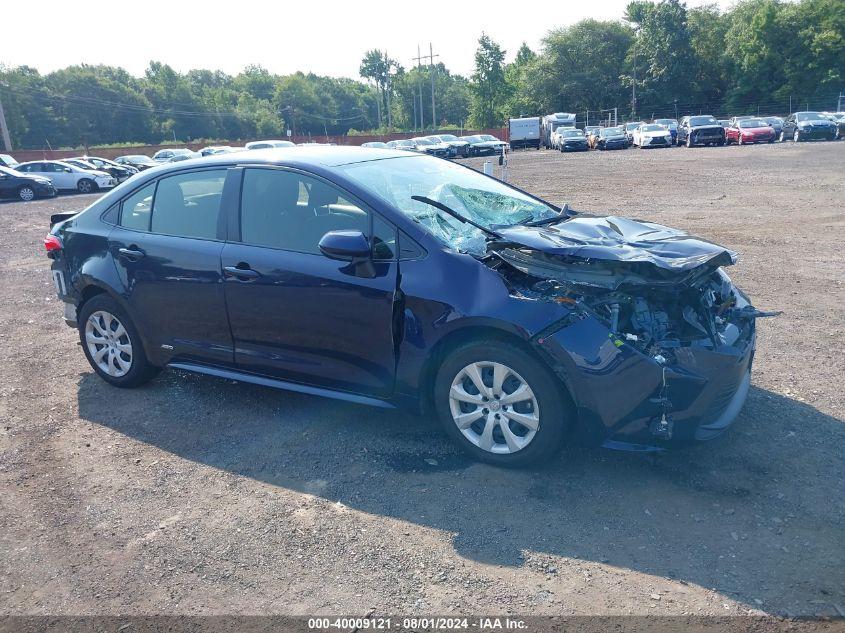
x,y
703,120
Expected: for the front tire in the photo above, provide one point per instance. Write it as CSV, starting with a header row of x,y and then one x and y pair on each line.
x,y
501,405
112,344
796,137
689,140
26,193
85,185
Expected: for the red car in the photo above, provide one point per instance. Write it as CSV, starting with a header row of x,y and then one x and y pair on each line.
x,y
749,131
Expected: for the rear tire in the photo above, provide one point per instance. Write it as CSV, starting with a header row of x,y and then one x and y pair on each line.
x,y
478,421
112,344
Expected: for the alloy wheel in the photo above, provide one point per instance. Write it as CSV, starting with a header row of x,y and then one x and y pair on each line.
x,y
84,186
108,343
494,407
26,194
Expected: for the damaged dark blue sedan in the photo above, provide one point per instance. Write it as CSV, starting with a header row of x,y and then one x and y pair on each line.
x,y
391,279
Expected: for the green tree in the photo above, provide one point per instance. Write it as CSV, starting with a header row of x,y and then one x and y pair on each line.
x,y
662,58
489,90
380,69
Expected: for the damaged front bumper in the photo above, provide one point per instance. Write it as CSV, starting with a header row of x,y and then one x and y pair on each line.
x,y
628,399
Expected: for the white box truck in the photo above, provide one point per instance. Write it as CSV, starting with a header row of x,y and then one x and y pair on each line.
x,y
524,132
551,122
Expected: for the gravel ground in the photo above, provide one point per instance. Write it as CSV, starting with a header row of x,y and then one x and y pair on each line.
x,y
195,495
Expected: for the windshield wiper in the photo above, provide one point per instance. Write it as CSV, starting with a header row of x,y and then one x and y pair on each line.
x,y
456,215
563,213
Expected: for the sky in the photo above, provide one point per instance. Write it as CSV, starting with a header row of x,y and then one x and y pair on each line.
x,y
326,37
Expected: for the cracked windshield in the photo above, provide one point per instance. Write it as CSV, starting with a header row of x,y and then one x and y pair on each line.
x,y
476,197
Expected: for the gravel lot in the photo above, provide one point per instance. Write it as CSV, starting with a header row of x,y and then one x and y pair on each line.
x,y
195,495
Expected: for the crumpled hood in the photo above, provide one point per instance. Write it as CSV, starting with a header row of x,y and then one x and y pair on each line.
x,y
618,239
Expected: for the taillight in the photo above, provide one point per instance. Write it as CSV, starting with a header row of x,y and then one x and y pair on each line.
x,y
52,243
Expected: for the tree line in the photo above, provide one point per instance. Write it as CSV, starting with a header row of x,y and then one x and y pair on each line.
x,y
660,59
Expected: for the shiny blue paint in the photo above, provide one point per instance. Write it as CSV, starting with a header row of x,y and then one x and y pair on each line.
x,y
322,326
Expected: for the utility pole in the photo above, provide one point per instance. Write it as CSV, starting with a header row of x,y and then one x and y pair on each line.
x,y
634,88
838,103
431,57
4,129
418,59
389,90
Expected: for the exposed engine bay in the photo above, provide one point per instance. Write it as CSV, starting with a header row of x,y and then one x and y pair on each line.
x,y
657,289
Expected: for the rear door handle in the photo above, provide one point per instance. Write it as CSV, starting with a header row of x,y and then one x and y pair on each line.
x,y
131,253
235,271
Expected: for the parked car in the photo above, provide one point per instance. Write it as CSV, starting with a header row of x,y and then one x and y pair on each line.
x,y
700,129
461,147
426,146
776,122
554,140
629,130
301,290
404,144
747,131
268,144
651,135
119,172
173,155
66,177
612,138
808,126
671,125
839,119
138,161
725,123
484,144
217,149
8,161
375,145
592,134
572,140
15,184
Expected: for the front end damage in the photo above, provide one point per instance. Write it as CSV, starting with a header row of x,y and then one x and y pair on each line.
x,y
656,345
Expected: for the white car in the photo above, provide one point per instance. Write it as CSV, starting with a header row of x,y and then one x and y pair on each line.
x,y
173,155
554,139
268,144
651,135
65,176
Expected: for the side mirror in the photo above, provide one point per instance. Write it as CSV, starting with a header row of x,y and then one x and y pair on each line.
x,y
345,245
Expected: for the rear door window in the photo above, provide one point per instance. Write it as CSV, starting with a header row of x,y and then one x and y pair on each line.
x,y
188,205
135,210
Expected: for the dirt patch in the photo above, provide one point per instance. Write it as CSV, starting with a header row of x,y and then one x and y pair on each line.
x,y
195,495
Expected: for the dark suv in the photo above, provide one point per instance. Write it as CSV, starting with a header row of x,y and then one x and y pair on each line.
x,y
700,130
396,279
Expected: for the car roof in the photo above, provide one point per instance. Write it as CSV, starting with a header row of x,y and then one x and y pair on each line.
x,y
301,156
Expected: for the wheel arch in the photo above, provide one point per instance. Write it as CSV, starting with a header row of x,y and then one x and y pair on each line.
x,y
469,334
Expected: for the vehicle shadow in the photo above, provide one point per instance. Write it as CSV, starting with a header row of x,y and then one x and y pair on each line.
x,y
757,515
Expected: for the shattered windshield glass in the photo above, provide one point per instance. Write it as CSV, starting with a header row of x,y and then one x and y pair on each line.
x,y
484,200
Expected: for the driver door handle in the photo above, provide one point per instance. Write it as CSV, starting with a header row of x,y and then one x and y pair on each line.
x,y
235,271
